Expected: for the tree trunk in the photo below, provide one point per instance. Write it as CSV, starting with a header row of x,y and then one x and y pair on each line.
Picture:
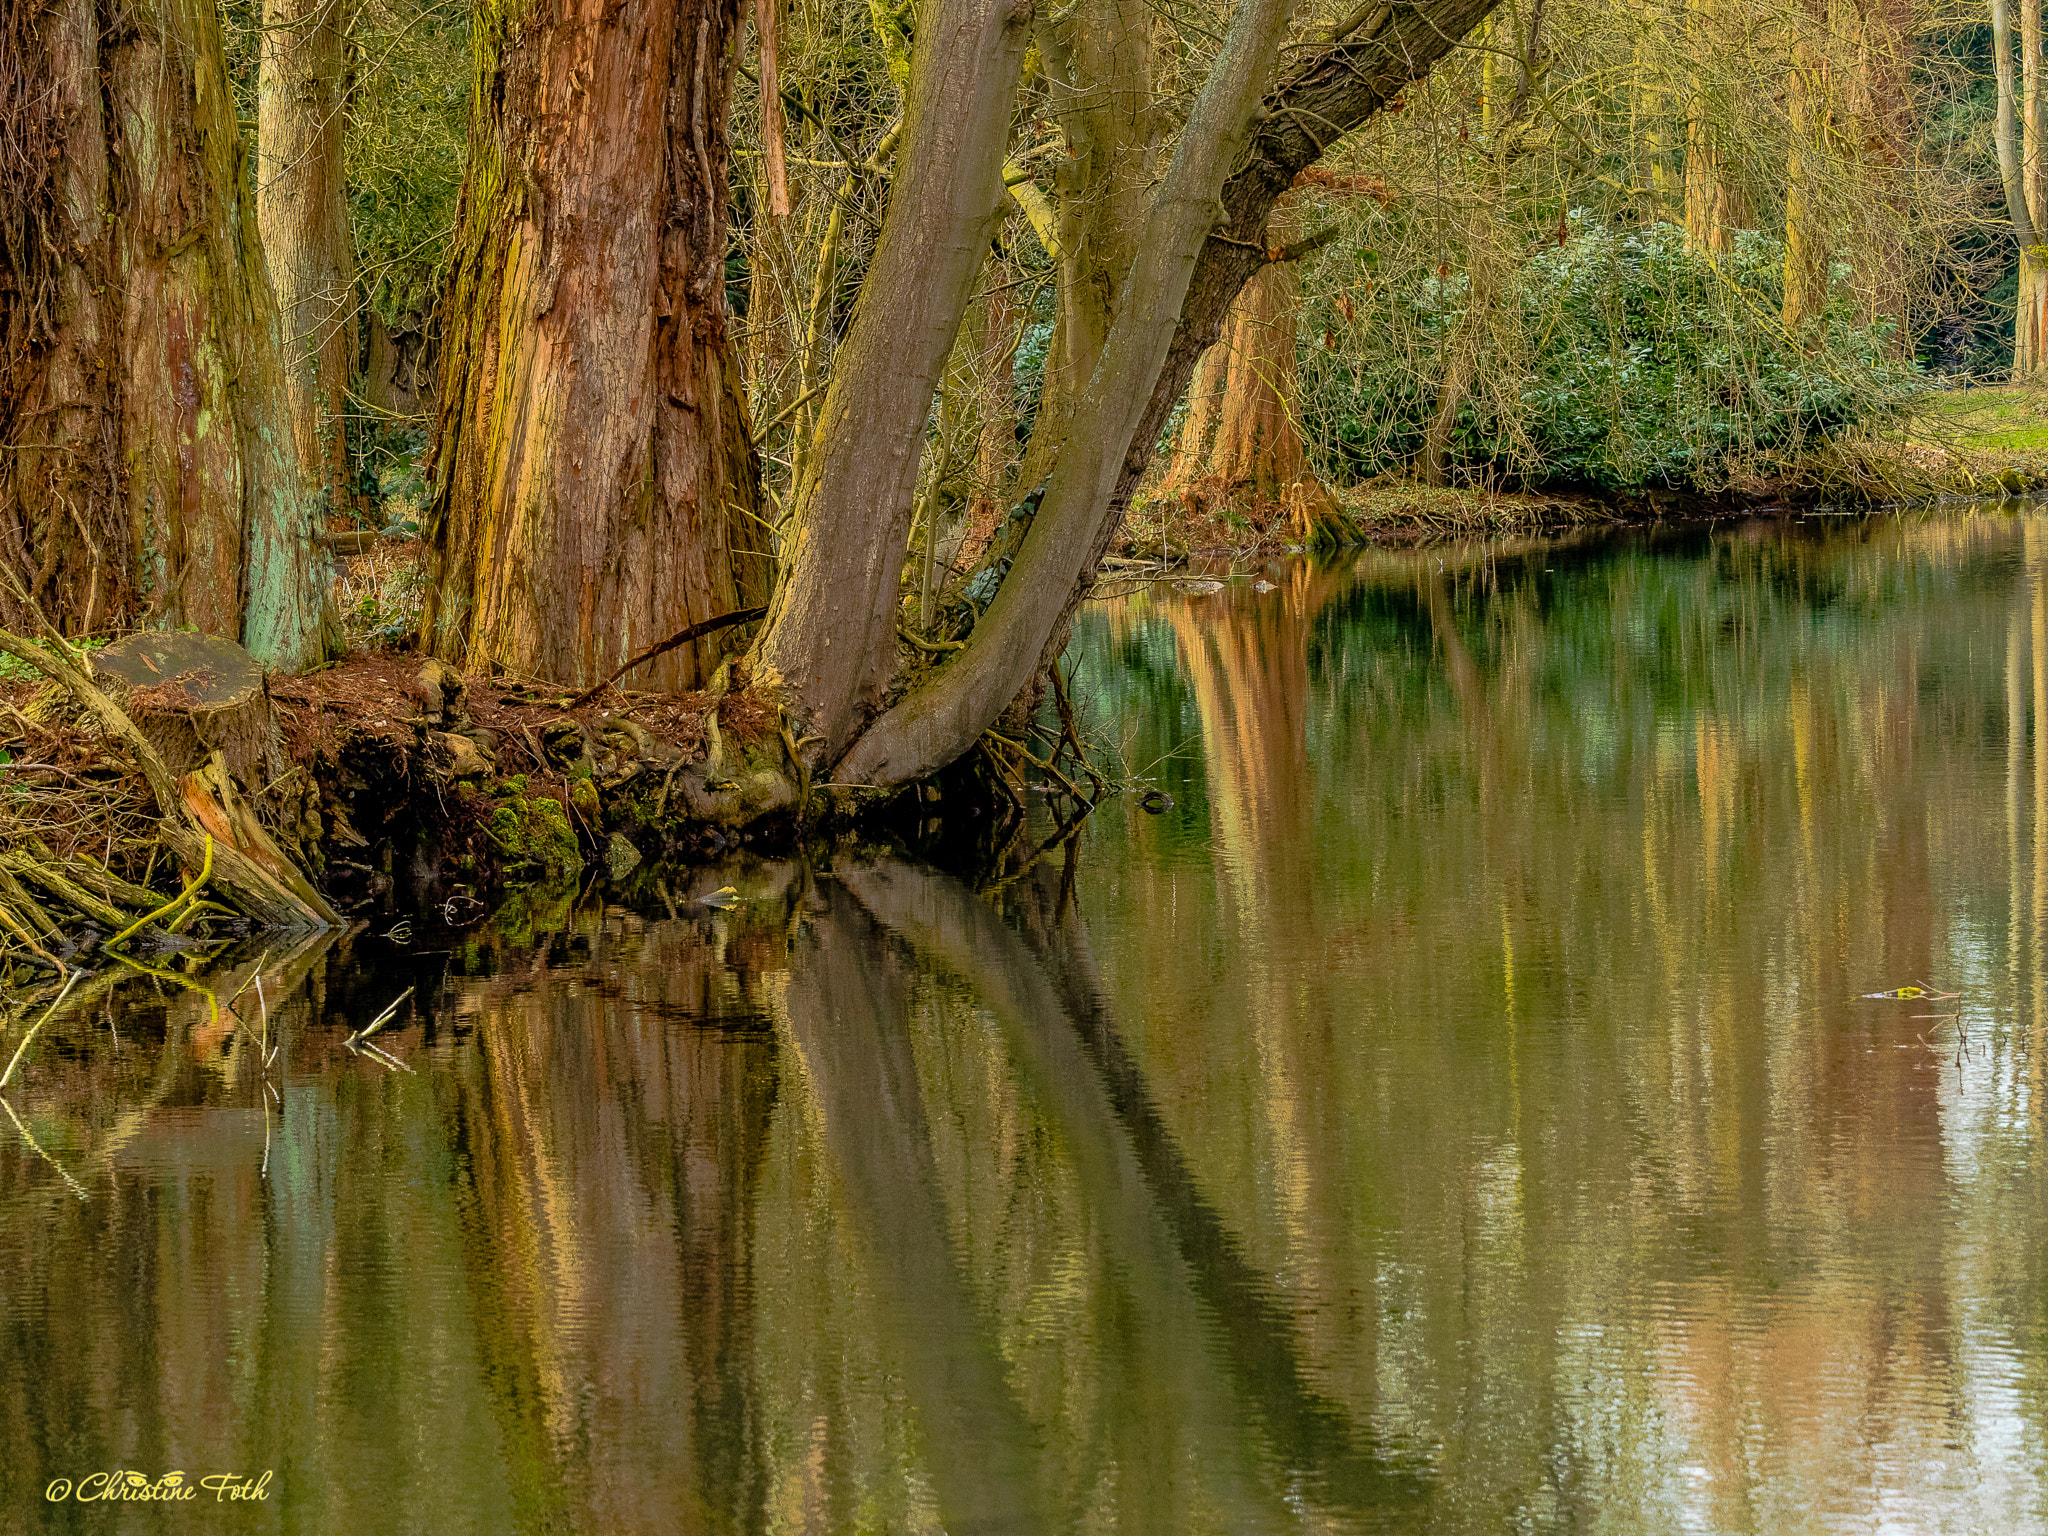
x,y
1332,90
1715,207
1878,102
940,721
1241,435
830,646
1098,72
995,453
598,488
302,211
2020,177
1807,104
1197,436
2030,319
146,468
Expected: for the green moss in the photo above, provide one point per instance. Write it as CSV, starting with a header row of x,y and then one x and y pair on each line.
x,y
534,831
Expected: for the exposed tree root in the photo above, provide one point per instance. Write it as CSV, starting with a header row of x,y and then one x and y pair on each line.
x,y
198,822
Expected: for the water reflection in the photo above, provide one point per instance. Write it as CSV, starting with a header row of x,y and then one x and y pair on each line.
x,y
1459,1114
1543,1033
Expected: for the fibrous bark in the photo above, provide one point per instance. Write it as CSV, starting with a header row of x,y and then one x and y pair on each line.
x,y
1240,439
146,467
598,488
302,212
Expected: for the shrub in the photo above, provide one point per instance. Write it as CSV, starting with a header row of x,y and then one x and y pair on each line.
x,y
1619,359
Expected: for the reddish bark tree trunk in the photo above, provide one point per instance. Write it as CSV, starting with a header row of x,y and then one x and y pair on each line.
x,y
302,210
146,466
1240,440
598,487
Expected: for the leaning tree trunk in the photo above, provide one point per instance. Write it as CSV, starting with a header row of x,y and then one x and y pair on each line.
x,y
302,211
146,467
598,490
830,646
1190,265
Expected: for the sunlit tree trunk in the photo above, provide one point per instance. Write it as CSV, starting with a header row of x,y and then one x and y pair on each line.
x,y
1197,436
1241,433
146,468
302,212
1715,207
598,486
2019,173
1807,105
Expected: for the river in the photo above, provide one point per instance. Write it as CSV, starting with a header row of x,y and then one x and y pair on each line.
x,y
1471,1106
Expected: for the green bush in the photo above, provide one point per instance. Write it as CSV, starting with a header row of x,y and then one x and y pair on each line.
x,y
1617,360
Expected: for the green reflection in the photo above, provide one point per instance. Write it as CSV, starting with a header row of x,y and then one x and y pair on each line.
x,y
1463,1112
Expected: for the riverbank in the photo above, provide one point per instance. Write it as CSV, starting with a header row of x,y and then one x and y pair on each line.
x,y
158,823
381,781
1986,442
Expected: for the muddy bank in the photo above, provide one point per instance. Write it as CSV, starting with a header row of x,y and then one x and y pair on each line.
x,y
382,784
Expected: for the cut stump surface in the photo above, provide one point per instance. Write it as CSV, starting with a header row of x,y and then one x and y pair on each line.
x,y
193,695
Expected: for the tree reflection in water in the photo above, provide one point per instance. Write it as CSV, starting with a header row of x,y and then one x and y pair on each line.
x,y
1474,1120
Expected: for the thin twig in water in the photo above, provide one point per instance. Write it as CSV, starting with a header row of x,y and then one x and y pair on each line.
x,y
379,1022
69,982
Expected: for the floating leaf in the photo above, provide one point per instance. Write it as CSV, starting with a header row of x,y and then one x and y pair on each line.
x,y
724,896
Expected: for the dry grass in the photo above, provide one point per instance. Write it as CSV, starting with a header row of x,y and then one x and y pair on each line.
x,y
381,593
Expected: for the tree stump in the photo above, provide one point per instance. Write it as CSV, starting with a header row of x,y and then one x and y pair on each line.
x,y
192,696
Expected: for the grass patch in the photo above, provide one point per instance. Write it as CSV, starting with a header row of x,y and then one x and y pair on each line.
x,y
1997,419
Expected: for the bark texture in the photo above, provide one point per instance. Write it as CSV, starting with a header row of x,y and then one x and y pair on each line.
x,y
2020,172
598,487
1099,59
830,646
1241,440
938,722
147,474
302,212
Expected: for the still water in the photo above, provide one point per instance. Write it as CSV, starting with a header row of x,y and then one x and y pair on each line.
x,y
1462,1111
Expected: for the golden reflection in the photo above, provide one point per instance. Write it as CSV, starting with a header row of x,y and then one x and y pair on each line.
x,y
1466,1113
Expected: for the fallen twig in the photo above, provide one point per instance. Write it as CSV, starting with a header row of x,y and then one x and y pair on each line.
x,y
680,637
69,982
378,1022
